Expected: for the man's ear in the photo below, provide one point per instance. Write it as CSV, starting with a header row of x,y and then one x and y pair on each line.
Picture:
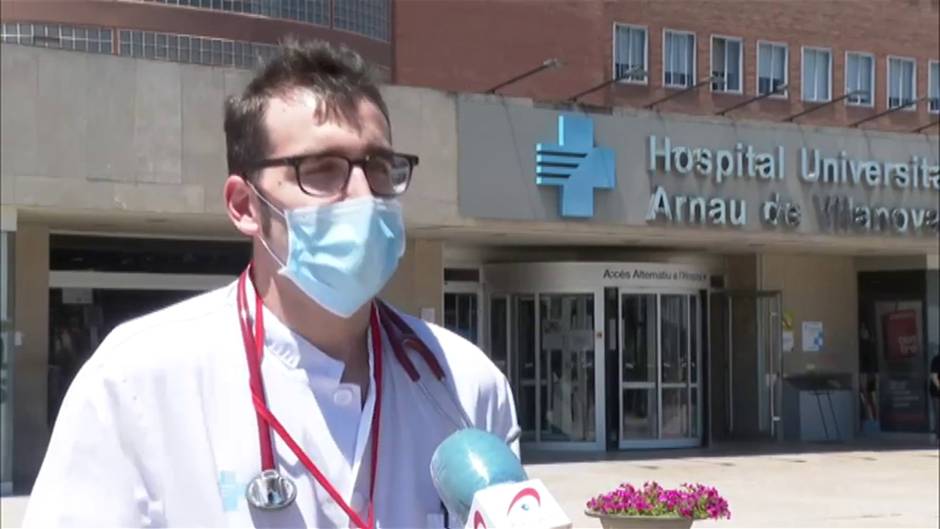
x,y
240,208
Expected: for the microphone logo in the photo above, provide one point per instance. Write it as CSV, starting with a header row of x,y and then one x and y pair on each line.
x,y
575,165
522,500
478,521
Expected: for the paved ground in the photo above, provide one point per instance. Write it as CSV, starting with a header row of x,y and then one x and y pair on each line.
x,y
808,486
813,487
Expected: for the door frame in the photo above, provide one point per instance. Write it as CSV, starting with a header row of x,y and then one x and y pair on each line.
x,y
774,406
560,277
694,327
136,280
600,407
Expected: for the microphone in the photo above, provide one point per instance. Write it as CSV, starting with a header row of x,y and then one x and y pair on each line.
x,y
483,485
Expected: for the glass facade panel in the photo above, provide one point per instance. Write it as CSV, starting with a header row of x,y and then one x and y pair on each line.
x,y
639,338
523,372
567,367
640,415
676,413
6,358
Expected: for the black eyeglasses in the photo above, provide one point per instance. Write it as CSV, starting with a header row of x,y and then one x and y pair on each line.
x,y
327,175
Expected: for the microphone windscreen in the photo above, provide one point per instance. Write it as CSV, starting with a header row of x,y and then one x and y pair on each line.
x,y
470,460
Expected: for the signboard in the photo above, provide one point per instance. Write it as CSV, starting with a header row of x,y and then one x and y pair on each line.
x,y
903,403
788,341
813,340
663,276
692,172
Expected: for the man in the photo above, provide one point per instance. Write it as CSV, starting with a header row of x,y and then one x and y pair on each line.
x,y
161,428
935,393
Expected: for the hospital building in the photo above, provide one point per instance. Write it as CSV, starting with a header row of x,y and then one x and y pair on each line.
x,y
670,224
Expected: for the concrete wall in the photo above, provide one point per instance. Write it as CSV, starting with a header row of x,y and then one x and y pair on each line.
x,y
138,137
31,360
817,288
89,132
419,281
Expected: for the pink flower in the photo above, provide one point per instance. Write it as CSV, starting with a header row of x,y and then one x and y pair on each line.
x,y
689,500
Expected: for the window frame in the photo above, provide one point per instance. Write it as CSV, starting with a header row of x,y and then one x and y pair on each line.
x,y
646,55
874,64
786,68
692,74
803,50
711,61
933,84
908,108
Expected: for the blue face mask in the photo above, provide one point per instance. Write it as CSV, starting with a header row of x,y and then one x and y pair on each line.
x,y
342,254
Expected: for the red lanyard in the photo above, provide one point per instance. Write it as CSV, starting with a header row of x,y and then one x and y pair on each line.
x,y
254,350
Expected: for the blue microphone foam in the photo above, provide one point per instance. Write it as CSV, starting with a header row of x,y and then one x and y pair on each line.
x,y
470,460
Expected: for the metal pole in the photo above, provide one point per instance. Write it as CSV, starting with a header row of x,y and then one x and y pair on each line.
x,y
548,63
823,105
886,112
927,126
624,75
683,91
779,89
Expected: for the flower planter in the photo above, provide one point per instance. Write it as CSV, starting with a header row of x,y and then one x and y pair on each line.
x,y
641,522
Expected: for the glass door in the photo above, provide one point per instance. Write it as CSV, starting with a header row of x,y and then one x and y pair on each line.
x,y
747,348
566,368
639,367
659,358
552,366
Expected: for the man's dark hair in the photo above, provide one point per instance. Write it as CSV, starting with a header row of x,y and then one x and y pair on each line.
x,y
337,75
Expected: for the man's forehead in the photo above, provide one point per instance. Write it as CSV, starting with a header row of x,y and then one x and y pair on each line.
x,y
304,103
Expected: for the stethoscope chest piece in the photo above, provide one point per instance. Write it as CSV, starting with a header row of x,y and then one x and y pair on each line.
x,y
271,491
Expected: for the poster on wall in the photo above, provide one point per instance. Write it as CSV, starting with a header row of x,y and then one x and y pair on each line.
x,y
812,336
901,339
903,403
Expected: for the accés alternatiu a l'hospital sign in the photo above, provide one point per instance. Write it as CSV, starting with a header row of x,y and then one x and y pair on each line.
x,y
836,211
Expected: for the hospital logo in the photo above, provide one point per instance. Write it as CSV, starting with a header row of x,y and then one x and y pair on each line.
x,y
231,490
576,165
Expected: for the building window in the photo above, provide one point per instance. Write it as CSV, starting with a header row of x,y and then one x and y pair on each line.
x,y
860,77
817,74
726,64
310,11
77,38
191,49
772,68
365,17
678,59
902,82
933,87
630,53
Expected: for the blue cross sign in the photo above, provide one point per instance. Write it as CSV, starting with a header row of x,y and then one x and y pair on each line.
x,y
575,165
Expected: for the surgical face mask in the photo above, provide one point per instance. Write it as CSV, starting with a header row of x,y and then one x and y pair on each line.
x,y
342,254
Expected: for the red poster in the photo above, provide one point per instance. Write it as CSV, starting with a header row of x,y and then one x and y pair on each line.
x,y
900,334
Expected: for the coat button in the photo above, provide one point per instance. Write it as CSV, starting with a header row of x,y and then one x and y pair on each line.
x,y
343,397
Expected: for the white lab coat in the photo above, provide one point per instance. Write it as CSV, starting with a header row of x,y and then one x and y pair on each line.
x,y
158,428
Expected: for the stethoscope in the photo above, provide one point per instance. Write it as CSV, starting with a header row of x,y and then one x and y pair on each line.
x,y
271,490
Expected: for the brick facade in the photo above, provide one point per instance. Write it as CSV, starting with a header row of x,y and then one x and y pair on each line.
x,y
472,45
